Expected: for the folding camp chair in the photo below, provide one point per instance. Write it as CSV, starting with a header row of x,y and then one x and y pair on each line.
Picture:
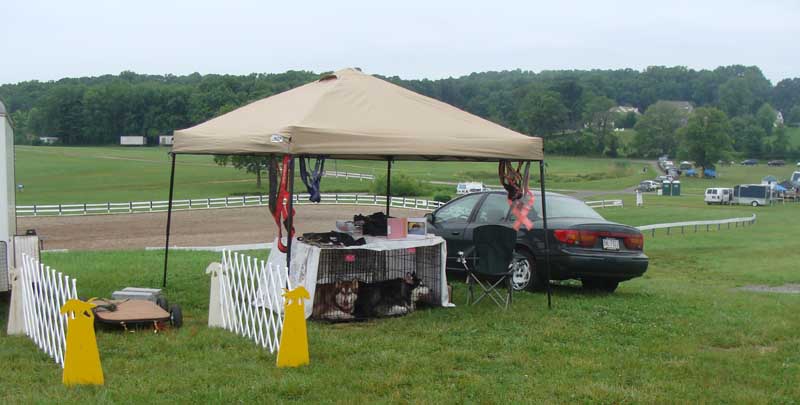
x,y
488,263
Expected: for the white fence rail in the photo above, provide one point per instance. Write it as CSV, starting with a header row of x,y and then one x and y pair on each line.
x,y
604,203
221,202
743,221
251,298
44,292
348,175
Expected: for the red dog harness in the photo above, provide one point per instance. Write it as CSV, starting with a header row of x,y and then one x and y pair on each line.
x,y
281,212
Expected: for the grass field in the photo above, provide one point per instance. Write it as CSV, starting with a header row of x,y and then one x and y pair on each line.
x,y
53,175
682,333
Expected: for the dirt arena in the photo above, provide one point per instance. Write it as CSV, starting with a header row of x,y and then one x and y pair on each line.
x,y
215,227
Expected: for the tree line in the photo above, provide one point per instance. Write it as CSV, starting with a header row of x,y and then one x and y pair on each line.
x,y
571,109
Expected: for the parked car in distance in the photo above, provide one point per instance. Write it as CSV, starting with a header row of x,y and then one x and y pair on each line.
x,y
718,195
649,185
470,187
583,244
776,163
749,162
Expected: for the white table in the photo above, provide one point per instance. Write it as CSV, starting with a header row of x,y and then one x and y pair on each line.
x,y
305,261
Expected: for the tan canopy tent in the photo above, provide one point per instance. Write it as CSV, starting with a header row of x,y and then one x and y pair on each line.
x,y
352,115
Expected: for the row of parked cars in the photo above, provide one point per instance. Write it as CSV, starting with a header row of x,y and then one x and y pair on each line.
x,y
754,162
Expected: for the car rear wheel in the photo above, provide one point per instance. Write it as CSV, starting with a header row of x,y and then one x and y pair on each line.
x,y
754,203
603,285
525,275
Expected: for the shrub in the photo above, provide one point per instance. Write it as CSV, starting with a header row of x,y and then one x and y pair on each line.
x,y
442,197
402,186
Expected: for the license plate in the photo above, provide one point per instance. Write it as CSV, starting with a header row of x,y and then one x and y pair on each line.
x,y
610,244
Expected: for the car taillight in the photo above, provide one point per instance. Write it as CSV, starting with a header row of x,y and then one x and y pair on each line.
x,y
575,237
634,242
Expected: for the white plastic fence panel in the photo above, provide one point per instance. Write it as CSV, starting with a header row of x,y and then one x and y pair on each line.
x,y
44,292
251,298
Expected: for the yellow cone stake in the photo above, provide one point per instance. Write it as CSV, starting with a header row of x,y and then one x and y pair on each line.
x,y
293,350
82,360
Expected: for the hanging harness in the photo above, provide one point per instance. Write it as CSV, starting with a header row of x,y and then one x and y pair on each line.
x,y
520,197
280,211
312,180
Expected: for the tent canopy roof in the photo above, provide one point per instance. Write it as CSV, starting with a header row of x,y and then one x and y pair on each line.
x,y
352,115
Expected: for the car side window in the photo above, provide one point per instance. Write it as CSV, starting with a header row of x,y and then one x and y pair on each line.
x,y
493,210
458,210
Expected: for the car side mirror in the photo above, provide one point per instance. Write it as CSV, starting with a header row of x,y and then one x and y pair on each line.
x,y
430,218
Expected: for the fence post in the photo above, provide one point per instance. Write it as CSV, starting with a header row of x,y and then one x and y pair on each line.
x,y
130,206
226,201
108,207
151,205
84,209
208,202
59,209
668,230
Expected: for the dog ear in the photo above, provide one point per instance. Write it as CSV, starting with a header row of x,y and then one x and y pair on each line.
x,y
409,278
355,283
337,283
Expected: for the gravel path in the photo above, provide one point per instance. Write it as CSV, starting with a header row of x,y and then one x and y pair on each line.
x,y
213,227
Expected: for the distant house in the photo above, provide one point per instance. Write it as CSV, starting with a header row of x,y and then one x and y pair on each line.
x,y
132,141
624,109
778,119
48,140
165,139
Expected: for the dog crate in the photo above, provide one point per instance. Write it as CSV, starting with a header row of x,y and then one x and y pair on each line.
x,y
357,284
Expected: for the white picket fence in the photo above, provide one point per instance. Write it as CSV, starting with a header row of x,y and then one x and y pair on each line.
x,y
222,202
348,175
44,292
604,203
251,298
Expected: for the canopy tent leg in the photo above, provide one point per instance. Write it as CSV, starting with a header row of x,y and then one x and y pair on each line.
x,y
169,218
546,234
290,219
388,185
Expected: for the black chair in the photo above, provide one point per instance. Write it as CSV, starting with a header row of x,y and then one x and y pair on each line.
x,y
488,263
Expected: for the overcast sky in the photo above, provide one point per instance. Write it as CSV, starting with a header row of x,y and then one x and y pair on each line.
x,y
46,40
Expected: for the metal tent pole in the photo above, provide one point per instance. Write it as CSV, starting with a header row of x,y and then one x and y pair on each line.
x,y
388,185
169,218
290,219
546,234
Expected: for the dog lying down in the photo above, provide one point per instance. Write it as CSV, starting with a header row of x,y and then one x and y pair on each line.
x,y
352,299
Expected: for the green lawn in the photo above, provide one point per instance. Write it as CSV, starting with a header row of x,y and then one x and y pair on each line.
x,y
682,333
53,175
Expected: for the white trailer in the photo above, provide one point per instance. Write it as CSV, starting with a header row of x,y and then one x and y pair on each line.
x,y
132,141
8,219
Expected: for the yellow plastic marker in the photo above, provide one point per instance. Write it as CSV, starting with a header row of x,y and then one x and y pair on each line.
x,y
82,360
293,351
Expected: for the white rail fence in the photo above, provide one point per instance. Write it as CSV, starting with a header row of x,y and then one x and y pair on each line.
x,y
250,298
348,175
604,203
222,202
695,225
44,292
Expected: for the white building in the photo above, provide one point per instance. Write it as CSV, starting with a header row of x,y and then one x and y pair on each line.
x,y
165,140
132,141
48,140
8,219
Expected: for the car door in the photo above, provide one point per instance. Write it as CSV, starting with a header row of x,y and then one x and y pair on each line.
x,y
450,222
